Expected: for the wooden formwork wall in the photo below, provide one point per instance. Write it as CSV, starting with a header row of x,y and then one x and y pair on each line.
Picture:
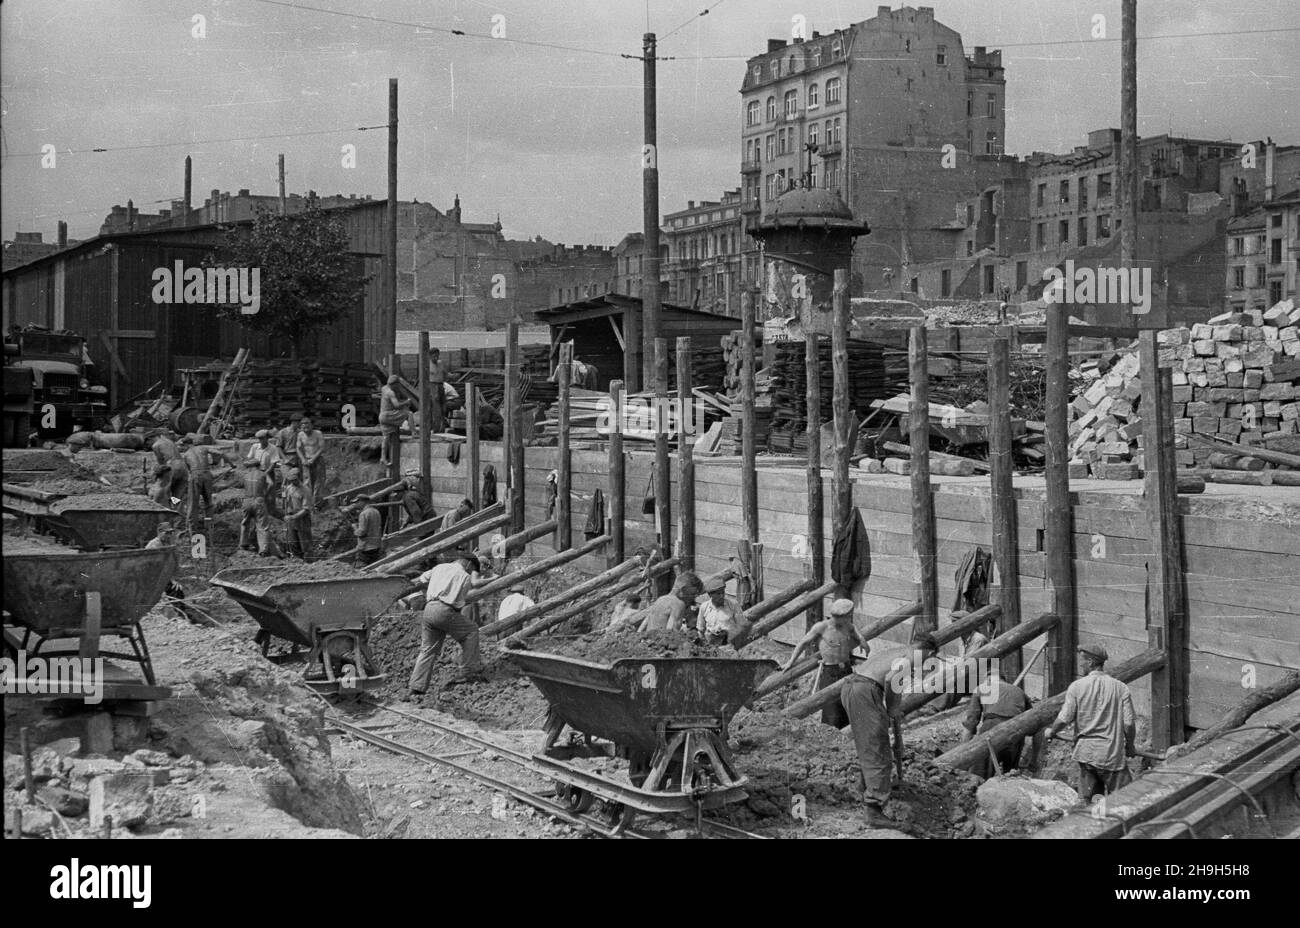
x,y
1242,557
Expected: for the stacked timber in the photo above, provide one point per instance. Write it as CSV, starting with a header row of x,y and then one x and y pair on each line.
x,y
869,380
268,392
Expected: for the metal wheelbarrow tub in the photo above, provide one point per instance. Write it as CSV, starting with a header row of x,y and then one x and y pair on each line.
x,y
295,610
110,520
46,591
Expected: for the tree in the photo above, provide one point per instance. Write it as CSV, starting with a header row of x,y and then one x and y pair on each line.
x,y
306,274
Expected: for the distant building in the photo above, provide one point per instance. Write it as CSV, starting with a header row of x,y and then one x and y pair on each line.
x,y
704,244
1263,254
29,246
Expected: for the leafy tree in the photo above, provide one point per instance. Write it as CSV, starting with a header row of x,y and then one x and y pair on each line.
x,y
307,276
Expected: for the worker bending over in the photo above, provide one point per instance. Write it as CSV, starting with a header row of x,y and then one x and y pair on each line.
x,y
993,702
1101,710
369,531
444,599
671,612
835,638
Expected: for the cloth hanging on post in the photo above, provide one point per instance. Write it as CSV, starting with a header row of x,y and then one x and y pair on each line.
x,y
489,494
552,493
453,452
595,526
851,555
648,504
972,581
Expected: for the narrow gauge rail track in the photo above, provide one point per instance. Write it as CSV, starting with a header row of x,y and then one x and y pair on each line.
x,y
613,825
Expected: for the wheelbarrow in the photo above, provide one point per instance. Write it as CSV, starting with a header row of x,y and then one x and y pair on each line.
x,y
45,593
107,520
331,617
667,716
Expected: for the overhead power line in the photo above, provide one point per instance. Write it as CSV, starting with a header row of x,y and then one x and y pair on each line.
x,y
195,142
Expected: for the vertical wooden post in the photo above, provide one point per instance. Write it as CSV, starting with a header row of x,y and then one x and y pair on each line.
x,y
426,420
564,485
663,463
389,328
88,645
1005,553
816,568
841,486
513,451
395,441
687,425
650,309
1063,638
617,481
1166,599
748,440
473,489
923,531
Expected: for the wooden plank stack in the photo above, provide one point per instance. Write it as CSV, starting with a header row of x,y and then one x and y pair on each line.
x,y
270,391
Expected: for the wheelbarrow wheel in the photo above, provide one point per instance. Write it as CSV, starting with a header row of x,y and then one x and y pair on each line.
x,y
619,817
575,799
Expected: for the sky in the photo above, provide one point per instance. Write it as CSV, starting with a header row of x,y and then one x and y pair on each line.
x,y
542,125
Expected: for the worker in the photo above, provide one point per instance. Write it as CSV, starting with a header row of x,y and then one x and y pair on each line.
x,y
438,378
630,605
311,457
414,503
719,618
287,439
459,514
164,449
255,522
297,515
491,425
165,537
160,488
516,602
393,411
835,638
872,701
369,531
198,458
994,702
1101,710
178,488
671,612
444,599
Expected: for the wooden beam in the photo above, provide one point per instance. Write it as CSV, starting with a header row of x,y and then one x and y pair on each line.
x,y
924,541
1256,451
748,440
617,334
779,617
686,404
474,487
132,333
841,485
1059,530
564,484
617,480
577,591
1166,584
1006,555
663,463
815,568
514,445
505,581
426,419
479,520
512,542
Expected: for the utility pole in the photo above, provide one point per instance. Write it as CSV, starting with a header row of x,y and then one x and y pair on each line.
x,y
189,185
1129,182
650,216
388,339
283,203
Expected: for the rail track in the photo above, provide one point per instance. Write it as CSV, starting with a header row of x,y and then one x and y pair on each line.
x,y
613,820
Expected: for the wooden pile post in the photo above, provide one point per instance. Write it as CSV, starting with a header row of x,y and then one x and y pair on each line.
x,y
564,483
1006,556
748,440
426,420
514,445
1063,639
924,542
617,478
663,465
842,487
685,455
816,567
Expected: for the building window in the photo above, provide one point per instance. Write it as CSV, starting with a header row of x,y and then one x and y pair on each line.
x,y
988,278
1103,226
832,91
1275,293
1064,192
1040,236
813,133
776,68
909,85
837,50
1259,244
1275,220
970,103
970,214
1239,246
970,247
945,283
1238,278
781,145
771,147
1275,252
1022,274
1083,231
758,72
1064,232
916,285
752,113
817,56
907,45
941,55
992,105
836,140
1260,276
1103,185
1083,192
791,102
1042,194
970,141
990,143
812,97
771,109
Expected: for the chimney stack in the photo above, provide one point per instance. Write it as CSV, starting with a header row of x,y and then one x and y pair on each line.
x,y
130,215
1270,188
63,234
189,185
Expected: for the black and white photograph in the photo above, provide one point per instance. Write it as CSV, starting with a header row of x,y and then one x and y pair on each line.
x,y
584,421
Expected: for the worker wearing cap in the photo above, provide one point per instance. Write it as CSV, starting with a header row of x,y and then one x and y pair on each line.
x,y
311,456
835,638
265,454
287,438
369,531
165,537
718,619
444,599
1101,710
459,514
164,449
993,702
297,516
671,612
517,601
414,502
873,702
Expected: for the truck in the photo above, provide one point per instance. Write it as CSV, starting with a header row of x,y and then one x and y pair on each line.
x,y
49,372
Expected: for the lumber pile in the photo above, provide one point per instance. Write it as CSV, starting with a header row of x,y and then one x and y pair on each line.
x,y
271,391
869,380
1236,380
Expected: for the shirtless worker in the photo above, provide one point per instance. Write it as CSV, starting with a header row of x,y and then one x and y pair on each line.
x,y
873,700
255,523
671,612
393,411
311,457
835,638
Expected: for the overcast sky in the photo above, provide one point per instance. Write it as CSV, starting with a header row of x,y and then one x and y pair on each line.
x,y
547,137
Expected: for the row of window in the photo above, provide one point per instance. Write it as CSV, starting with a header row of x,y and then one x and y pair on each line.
x,y
990,103
1239,277
791,62
699,248
778,182
1105,188
703,219
1101,223
786,141
790,102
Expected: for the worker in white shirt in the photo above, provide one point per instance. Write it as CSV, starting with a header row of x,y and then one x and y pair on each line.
x,y
517,601
444,599
1101,710
718,620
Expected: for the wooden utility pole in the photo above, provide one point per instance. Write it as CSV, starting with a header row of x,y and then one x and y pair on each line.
x,y
1063,638
514,435
388,341
663,463
564,483
1129,186
1006,555
650,216
426,420
813,429
924,542
284,203
1166,594
617,482
842,488
748,440
687,422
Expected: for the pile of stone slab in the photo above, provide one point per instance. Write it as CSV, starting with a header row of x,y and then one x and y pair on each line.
x,y
1236,379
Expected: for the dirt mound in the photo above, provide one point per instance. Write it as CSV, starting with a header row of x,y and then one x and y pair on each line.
x,y
35,544
296,572
64,486
627,642
107,501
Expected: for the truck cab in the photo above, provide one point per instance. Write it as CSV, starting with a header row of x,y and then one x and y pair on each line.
x,y
60,371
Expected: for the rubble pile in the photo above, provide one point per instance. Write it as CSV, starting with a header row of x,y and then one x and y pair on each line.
x,y
628,642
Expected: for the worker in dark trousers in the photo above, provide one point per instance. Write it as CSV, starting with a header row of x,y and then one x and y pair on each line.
x,y
835,638
369,531
993,702
1101,710
444,599
414,502
873,700
437,377
297,516
255,524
